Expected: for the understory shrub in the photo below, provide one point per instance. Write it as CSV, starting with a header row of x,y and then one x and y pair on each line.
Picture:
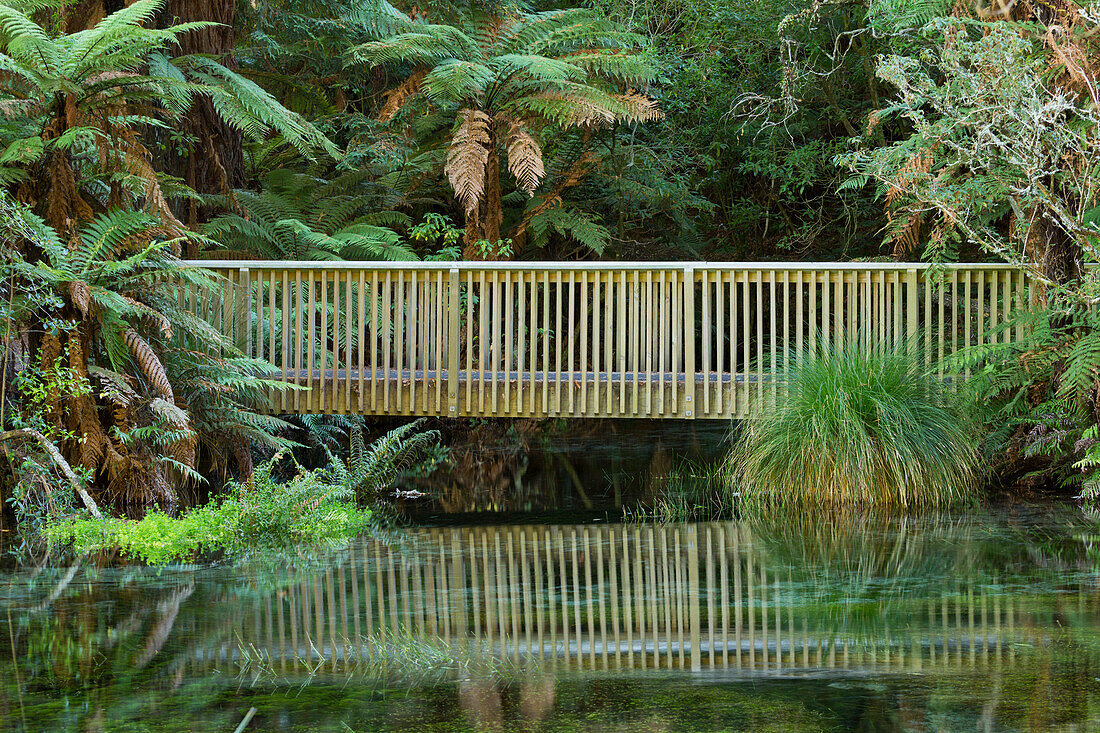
x,y
315,508
306,512
858,423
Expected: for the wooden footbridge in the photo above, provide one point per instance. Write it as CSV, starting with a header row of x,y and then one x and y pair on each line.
x,y
656,340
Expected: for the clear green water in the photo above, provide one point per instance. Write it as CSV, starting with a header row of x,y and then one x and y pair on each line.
x,y
956,623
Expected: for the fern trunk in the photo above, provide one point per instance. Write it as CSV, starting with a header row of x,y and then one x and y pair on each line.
x,y
490,214
215,162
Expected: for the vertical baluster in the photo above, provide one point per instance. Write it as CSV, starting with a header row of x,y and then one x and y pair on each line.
x,y
746,362
321,341
773,343
597,277
558,346
650,333
662,332
635,338
981,306
940,326
706,346
572,325
759,337
336,312
482,339
509,338
623,330
720,340
734,336
312,395
675,340
361,344
583,364
473,309
608,338
546,341
532,338
786,322
387,324
413,330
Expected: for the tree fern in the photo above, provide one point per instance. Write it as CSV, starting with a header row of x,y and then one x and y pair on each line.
x,y
501,77
174,394
122,88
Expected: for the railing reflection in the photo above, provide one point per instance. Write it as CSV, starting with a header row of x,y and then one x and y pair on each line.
x,y
714,595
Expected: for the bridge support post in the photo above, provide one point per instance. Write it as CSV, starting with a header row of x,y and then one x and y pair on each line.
x,y
454,338
243,311
688,408
912,317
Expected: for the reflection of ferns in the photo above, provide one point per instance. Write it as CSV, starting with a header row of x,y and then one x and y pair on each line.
x,y
372,468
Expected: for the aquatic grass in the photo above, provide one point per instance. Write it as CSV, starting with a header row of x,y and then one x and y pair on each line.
x,y
858,423
692,490
394,656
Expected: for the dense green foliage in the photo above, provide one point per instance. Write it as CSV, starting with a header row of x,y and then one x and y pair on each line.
x,y
310,510
326,129
858,424
263,514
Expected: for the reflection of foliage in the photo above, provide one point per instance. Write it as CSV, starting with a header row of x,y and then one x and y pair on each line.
x,y
692,490
184,649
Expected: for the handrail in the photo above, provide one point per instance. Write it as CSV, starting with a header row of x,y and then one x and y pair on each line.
x,y
580,266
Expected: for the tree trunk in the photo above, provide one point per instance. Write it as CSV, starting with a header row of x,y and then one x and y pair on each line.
x,y
1053,252
215,163
486,225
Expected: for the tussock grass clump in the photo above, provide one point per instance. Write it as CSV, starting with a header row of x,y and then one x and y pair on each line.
x,y
857,424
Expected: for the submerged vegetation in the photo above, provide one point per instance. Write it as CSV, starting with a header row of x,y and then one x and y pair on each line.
x,y
854,424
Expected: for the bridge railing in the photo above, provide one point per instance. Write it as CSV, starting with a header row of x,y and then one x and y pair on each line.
x,y
686,340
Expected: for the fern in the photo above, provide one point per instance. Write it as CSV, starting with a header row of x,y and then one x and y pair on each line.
x,y
294,218
370,469
500,76
1043,387
123,88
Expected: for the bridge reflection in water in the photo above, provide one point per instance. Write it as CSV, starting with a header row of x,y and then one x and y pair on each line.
x,y
610,597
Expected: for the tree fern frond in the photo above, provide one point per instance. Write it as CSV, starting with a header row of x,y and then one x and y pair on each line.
x,y
454,80
524,158
467,158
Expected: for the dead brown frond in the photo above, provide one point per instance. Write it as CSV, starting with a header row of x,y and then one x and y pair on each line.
x,y
396,98
150,364
524,158
640,108
468,157
906,236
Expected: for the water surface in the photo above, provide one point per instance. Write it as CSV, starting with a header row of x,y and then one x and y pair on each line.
x,y
988,622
